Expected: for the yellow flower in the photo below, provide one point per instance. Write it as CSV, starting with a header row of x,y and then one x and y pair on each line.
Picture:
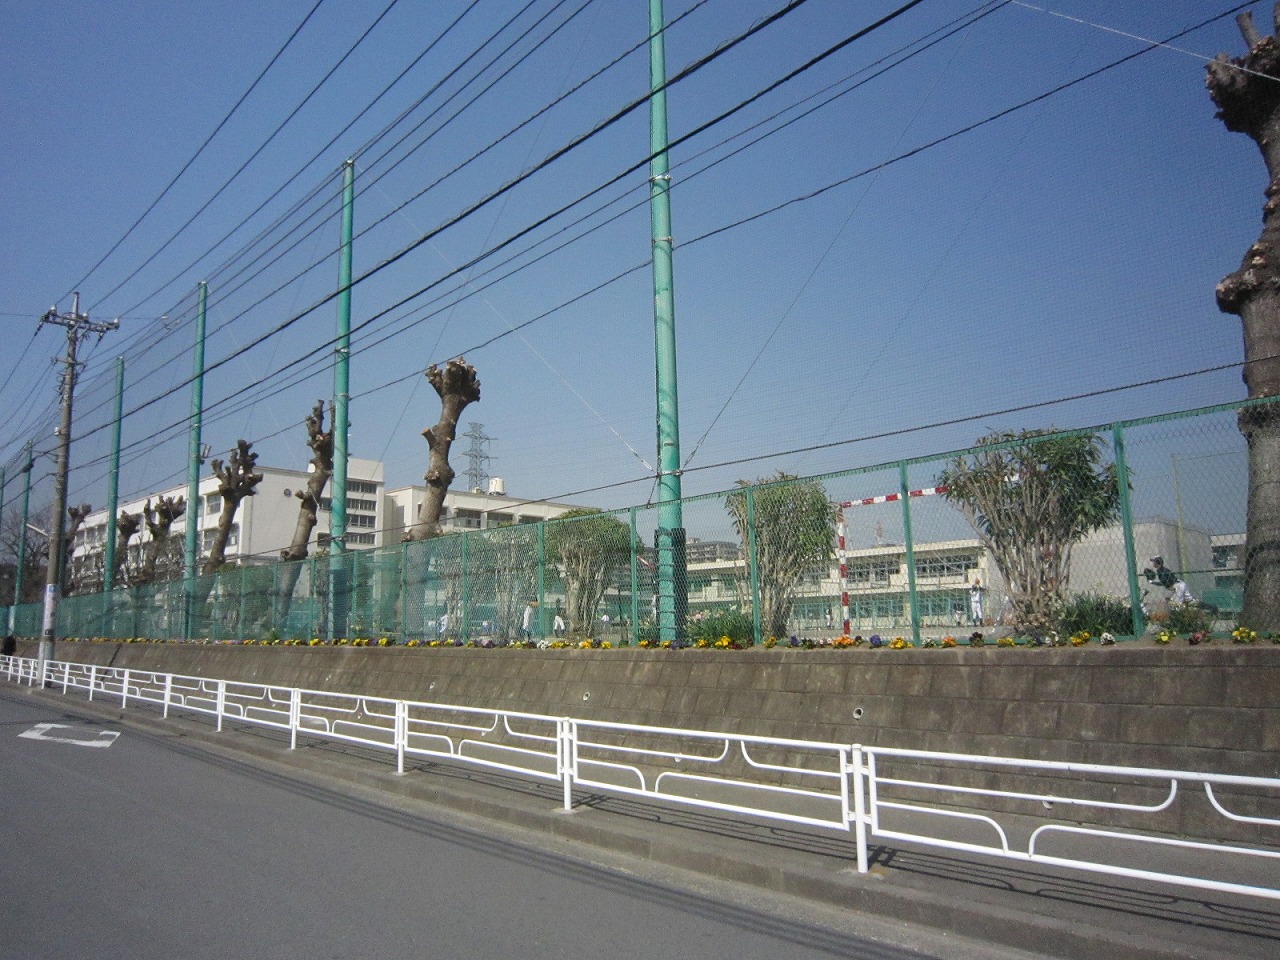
x,y
606,644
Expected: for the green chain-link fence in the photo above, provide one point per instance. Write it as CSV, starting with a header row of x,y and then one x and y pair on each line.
x,y
871,550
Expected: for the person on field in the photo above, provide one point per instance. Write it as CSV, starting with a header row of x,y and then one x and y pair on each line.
x,y
1159,573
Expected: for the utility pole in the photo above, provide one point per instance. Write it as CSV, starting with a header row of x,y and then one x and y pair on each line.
x,y
191,543
78,327
672,586
21,563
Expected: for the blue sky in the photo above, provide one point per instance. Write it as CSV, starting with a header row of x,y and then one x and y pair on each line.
x,y
1071,247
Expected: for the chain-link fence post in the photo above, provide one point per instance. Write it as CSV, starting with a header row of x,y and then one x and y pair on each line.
x,y
1126,527
753,565
913,598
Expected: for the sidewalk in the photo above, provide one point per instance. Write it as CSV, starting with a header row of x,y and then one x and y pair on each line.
x,y
1068,914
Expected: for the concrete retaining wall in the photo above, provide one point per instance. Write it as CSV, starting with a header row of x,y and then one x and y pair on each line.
x,y
1214,709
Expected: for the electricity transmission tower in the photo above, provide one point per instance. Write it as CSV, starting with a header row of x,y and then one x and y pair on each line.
x,y
78,327
478,457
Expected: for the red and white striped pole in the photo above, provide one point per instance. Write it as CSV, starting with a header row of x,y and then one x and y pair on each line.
x,y
842,531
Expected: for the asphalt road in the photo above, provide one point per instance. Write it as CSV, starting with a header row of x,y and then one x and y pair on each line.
x,y
138,846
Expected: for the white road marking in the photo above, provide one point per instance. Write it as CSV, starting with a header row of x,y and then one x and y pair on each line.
x,y
41,732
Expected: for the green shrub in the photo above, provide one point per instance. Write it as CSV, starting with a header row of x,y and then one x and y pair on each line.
x,y
714,624
1189,618
1095,613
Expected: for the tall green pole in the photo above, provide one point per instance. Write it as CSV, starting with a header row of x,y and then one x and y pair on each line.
x,y
908,540
672,587
2,482
190,554
342,365
21,559
341,397
1139,620
113,484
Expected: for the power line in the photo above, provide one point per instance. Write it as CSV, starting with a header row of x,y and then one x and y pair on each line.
x,y
227,183
299,204
506,188
919,149
186,166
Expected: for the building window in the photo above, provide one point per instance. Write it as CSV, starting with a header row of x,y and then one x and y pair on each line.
x,y
946,565
361,538
358,520
467,518
361,486
872,571
212,504
368,506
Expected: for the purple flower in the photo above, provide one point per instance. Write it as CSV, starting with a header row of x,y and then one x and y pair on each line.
x,y
876,640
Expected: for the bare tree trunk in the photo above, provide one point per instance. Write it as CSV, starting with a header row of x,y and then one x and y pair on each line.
x,y
321,443
237,480
159,520
1247,93
77,516
127,525
457,385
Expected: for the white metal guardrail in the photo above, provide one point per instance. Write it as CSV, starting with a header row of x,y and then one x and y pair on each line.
x,y
873,792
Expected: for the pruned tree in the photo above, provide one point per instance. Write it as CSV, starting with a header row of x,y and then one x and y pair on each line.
x,y
127,527
457,386
320,441
1246,91
76,517
793,523
589,547
1032,496
237,479
159,520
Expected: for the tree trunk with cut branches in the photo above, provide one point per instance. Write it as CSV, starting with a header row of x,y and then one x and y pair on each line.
x,y
236,480
457,386
76,515
320,441
159,520
1247,92
127,526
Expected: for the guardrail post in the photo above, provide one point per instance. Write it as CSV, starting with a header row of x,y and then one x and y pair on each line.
x,y
93,679
567,758
222,701
66,677
402,733
859,805
168,691
124,690
295,716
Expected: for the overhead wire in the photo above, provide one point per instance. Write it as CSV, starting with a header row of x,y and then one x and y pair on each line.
x,y
327,179
314,352
391,126
966,129
200,150
474,207
256,153
540,113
